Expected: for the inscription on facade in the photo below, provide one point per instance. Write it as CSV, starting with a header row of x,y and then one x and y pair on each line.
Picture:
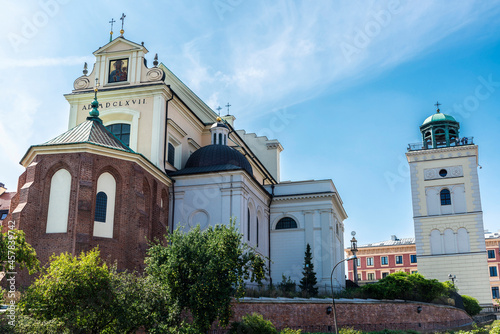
x,y
115,104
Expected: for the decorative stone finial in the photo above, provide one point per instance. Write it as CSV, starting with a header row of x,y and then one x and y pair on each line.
x,y
155,61
94,112
85,71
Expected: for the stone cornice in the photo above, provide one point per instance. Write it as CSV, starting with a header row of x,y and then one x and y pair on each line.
x,y
142,161
438,151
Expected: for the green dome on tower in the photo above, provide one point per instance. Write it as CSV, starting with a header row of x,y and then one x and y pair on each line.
x,y
438,117
439,130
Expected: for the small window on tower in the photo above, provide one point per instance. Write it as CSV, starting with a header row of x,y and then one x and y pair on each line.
x,y
443,172
445,197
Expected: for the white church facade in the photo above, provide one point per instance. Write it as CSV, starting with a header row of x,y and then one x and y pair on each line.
x,y
212,172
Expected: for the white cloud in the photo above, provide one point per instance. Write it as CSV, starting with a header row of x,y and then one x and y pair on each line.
x,y
44,62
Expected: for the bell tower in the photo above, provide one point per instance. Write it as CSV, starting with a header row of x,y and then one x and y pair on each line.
x,y
447,213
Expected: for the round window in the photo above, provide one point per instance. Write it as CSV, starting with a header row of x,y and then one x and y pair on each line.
x,y
443,173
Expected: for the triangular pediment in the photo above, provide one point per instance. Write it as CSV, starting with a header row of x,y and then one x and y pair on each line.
x,y
120,44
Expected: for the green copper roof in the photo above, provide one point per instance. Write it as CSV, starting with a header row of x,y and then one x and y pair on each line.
x,y
437,117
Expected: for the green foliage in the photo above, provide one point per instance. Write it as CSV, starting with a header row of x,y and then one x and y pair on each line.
x,y
14,250
201,270
291,331
254,323
349,330
287,285
86,296
406,286
308,281
471,305
26,324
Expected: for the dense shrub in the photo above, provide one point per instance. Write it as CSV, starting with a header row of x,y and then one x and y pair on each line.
x,y
254,323
291,331
406,286
287,285
471,305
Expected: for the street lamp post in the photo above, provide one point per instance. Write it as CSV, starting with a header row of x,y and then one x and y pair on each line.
x,y
333,296
354,249
453,278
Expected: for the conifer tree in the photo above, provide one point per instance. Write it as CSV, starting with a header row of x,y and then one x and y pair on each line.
x,y
308,281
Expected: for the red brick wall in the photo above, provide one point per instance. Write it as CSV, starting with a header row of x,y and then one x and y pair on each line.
x,y
311,315
138,212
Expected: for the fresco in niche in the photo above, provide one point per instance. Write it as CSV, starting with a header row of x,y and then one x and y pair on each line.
x,y
118,70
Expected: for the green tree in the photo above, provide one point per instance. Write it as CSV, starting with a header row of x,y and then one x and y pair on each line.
x,y
202,270
254,323
16,253
86,296
471,305
308,281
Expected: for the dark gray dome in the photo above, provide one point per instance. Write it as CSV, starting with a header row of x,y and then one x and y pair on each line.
x,y
218,155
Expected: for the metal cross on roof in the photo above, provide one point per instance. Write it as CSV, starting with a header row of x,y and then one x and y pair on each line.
x,y
437,105
123,20
227,106
111,32
218,109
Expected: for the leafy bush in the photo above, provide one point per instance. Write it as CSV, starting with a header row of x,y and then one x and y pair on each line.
x,y
406,286
349,330
254,323
290,331
471,305
287,285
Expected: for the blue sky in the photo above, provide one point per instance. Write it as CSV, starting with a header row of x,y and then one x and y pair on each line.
x,y
343,86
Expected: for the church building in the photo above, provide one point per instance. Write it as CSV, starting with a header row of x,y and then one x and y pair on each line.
x,y
144,156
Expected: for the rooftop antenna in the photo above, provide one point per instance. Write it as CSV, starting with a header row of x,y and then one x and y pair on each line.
x,y
437,105
227,106
123,20
111,32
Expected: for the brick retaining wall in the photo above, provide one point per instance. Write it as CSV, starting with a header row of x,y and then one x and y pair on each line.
x,y
311,315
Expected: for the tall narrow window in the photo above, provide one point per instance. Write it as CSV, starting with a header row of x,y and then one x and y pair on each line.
x,y
101,204
286,223
171,154
220,138
399,259
413,258
257,232
248,225
493,272
60,191
121,131
384,260
445,197
215,139
495,293
105,206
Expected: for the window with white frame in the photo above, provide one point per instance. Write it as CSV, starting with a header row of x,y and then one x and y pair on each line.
x,y
399,259
369,261
384,260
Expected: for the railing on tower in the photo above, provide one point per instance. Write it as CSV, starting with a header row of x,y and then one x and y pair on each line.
x,y
458,142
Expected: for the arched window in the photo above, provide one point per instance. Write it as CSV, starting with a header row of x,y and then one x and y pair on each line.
x,y
101,204
59,197
220,139
122,131
248,225
257,232
440,137
445,197
215,139
286,223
